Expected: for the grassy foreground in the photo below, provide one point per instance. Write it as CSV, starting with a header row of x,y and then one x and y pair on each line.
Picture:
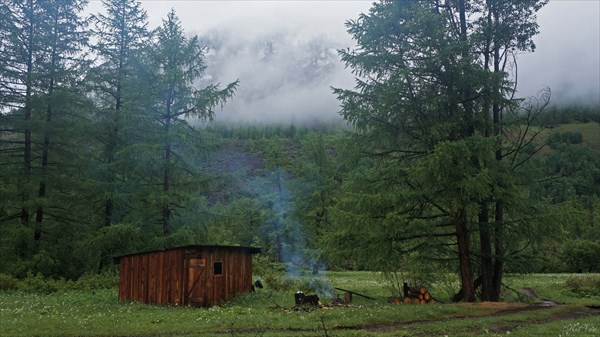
x,y
271,313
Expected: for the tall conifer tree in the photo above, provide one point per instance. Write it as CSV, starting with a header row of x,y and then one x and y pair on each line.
x,y
21,47
64,38
424,105
174,63
41,62
121,33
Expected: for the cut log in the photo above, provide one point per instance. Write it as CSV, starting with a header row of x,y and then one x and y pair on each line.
x,y
427,296
347,298
395,299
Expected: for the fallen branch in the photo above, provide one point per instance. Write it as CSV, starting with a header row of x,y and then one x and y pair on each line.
x,y
270,298
355,293
324,328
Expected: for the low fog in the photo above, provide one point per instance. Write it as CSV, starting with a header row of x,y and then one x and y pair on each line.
x,y
567,58
284,54
284,76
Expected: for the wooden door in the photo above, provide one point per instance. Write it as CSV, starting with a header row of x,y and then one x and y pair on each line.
x,y
195,294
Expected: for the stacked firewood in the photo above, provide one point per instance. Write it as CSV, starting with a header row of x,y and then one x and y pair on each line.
x,y
415,295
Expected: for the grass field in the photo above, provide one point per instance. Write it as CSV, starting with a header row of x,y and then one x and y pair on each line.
x,y
272,313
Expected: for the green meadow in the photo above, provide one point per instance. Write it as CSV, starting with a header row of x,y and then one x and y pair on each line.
x,y
535,305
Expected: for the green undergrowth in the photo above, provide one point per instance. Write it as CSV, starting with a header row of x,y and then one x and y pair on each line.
x,y
39,284
560,288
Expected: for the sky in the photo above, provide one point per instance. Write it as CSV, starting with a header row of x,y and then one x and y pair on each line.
x,y
277,88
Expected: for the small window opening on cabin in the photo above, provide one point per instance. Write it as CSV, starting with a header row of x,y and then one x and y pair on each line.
x,y
218,268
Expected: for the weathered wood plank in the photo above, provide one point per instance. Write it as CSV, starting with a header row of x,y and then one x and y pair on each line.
x,y
160,279
177,273
123,279
167,277
144,278
152,269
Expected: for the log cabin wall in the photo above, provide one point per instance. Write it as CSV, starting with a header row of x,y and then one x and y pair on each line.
x,y
226,273
154,277
192,275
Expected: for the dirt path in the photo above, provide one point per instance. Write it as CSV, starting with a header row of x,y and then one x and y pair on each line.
x,y
561,313
507,309
580,312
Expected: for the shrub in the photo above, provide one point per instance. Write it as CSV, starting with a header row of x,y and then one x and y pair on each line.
x,y
7,282
37,284
584,284
574,137
105,280
582,255
567,137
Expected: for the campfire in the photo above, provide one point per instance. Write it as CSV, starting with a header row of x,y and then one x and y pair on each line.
x,y
302,299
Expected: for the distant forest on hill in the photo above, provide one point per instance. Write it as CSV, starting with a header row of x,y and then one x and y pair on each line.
x,y
276,186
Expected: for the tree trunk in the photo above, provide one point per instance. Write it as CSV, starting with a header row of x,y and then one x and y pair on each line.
x,y
499,211
166,211
114,142
462,230
467,92
110,159
487,267
462,238
486,253
39,217
461,293
499,252
27,137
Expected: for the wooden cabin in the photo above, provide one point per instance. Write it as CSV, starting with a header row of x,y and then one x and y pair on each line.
x,y
190,275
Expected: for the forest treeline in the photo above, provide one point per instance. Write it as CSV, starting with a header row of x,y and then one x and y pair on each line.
x,y
107,148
